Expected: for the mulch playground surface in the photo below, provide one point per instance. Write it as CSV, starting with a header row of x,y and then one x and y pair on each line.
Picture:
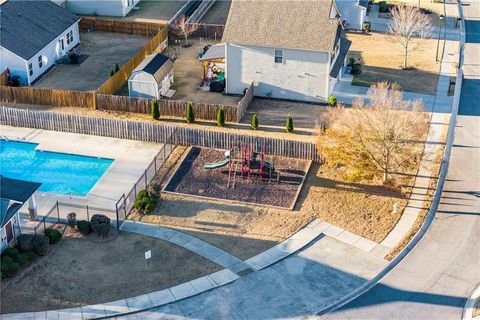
x,y
191,178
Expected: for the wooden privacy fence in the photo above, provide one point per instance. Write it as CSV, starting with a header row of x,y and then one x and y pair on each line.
x,y
148,131
202,111
4,78
115,82
52,97
176,108
245,102
120,26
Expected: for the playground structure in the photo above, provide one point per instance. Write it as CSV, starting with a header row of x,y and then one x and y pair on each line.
x,y
244,159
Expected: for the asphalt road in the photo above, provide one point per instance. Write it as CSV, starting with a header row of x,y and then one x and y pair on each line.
x,y
435,280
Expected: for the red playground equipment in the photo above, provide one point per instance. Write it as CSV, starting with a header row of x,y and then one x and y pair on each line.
x,y
249,163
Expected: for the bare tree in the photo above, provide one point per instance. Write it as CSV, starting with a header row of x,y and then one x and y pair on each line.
x,y
375,137
183,29
409,28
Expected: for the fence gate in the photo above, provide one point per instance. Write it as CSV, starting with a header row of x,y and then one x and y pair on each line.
x,y
121,210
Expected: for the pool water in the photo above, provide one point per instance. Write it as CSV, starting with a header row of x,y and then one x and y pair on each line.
x,y
58,172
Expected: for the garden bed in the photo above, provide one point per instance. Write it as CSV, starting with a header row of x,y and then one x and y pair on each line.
x,y
191,178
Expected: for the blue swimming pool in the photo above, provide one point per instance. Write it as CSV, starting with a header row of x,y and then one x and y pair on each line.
x,y
58,172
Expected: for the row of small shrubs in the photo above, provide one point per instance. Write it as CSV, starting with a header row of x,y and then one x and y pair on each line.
x,y
190,116
27,249
99,224
13,261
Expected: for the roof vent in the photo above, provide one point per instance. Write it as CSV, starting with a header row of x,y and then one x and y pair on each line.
x,y
19,14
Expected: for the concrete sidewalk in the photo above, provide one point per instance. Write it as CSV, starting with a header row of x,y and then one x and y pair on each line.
x,y
295,287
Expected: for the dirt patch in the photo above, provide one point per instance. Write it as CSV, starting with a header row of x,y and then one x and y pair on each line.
x,y
192,178
81,272
273,113
381,62
104,51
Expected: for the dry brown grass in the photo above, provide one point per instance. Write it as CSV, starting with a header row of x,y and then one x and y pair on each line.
x,y
82,271
245,230
383,60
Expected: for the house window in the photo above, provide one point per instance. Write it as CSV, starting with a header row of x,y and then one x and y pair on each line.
x,y
69,37
40,62
278,56
30,69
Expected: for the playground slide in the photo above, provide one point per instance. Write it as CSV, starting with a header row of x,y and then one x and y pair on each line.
x,y
216,165
268,165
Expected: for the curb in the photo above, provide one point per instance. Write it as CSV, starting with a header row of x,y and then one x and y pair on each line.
x,y
438,192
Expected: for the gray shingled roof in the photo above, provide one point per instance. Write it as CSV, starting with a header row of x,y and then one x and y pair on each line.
x,y
29,26
158,65
296,24
344,47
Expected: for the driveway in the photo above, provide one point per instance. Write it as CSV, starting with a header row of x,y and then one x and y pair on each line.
x,y
435,280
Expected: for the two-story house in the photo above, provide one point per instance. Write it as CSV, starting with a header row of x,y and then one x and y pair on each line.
x,y
289,49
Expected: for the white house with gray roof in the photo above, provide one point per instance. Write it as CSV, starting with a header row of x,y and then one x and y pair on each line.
x,y
114,8
290,49
33,36
352,13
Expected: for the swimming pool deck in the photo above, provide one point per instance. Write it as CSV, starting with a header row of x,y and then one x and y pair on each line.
x,y
131,158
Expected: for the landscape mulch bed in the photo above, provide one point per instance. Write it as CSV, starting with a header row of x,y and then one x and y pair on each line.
x,y
191,178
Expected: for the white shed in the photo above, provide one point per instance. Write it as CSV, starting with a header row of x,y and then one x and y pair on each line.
x,y
152,78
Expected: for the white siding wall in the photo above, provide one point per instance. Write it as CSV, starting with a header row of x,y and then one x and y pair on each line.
x,y
353,13
50,54
16,65
116,8
142,85
53,52
303,75
3,234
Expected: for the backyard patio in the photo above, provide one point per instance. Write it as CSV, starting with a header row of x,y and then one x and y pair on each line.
x,y
100,52
188,72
